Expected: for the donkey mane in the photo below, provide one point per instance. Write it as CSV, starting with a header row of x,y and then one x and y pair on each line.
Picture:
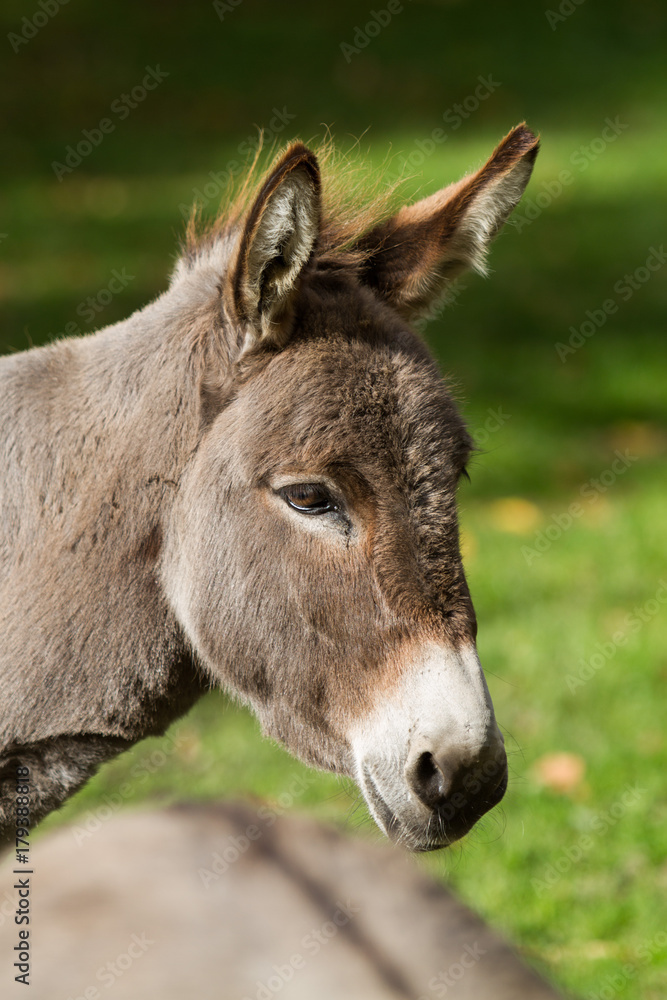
x,y
352,204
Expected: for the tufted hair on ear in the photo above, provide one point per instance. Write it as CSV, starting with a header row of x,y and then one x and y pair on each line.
x,y
414,255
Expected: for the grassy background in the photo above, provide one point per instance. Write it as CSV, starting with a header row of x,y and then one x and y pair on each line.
x,y
580,913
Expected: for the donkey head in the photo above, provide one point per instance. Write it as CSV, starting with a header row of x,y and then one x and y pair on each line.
x,y
313,556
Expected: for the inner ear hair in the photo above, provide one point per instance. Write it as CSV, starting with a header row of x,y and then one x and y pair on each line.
x,y
487,199
411,257
277,242
282,242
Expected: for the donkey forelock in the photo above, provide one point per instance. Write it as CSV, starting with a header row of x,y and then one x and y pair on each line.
x,y
256,486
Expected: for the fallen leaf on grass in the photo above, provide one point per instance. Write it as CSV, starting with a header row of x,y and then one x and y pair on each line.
x,y
643,439
560,772
515,515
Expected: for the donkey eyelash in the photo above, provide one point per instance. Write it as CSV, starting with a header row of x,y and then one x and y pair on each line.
x,y
308,498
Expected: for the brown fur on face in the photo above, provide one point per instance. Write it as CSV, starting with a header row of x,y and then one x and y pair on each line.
x,y
145,548
356,400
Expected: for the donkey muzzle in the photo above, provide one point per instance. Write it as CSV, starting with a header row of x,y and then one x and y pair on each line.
x,y
431,760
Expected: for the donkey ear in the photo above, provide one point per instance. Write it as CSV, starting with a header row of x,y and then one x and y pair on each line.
x,y
414,255
276,243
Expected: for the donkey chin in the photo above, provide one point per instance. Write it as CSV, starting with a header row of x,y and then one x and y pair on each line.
x,y
431,760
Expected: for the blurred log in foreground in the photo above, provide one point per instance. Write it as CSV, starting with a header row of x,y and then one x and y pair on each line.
x,y
213,902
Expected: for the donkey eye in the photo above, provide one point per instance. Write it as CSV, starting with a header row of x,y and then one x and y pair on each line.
x,y
308,498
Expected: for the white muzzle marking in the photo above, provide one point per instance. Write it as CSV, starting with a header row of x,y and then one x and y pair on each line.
x,y
440,706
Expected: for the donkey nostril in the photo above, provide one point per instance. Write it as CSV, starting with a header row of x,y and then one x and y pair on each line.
x,y
458,790
428,781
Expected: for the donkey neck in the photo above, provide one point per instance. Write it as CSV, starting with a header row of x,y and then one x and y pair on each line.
x,y
94,435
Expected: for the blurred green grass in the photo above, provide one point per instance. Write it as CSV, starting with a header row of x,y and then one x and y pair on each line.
x,y
541,617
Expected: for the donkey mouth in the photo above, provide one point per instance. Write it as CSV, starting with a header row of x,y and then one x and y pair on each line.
x,y
418,828
415,836
385,817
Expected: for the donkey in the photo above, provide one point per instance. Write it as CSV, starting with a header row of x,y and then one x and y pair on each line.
x,y
251,482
